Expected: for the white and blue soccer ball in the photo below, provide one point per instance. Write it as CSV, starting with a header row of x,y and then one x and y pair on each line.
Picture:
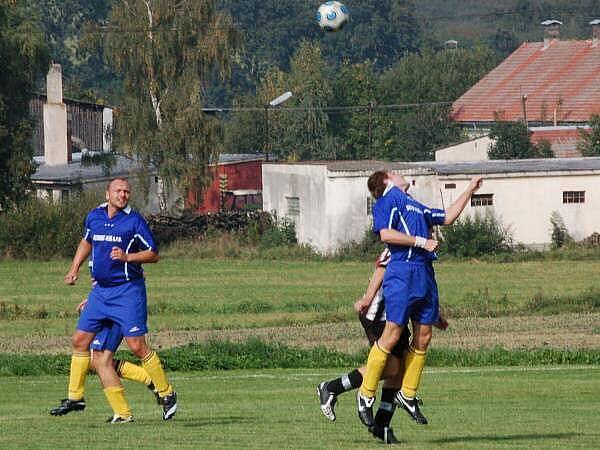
x,y
332,16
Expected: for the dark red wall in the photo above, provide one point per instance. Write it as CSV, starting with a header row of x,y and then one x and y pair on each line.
x,y
242,175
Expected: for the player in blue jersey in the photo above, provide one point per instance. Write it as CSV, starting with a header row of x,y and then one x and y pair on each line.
x,y
119,242
409,285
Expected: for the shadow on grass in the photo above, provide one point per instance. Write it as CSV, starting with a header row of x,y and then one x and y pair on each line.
x,y
211,421
508,437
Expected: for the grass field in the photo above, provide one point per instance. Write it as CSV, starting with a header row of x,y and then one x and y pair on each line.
x,y
468,408
193,294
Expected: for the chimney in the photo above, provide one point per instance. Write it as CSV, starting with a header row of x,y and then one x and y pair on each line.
x,y
551,31
595,32
55,120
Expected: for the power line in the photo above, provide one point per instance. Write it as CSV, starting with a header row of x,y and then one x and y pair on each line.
x,y
329,109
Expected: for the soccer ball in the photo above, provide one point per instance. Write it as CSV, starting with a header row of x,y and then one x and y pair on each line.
x,y
332,16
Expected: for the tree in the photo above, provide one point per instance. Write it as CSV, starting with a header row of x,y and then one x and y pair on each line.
x,y
166,50
431,81
512,141
23,58
356,85
589,141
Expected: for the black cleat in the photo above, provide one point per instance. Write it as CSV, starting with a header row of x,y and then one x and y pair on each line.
x,y
411,406
154,392
327,400
386,434
169,404
66,406
364,408
118,419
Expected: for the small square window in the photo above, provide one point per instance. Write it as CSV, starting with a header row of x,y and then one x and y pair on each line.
x,y
573,196
482,200
450,186
293,206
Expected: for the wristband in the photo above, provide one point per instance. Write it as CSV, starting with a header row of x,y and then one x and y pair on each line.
x,y
420,242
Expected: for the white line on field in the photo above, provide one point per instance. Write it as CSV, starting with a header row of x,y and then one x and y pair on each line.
x,y
304,375
433,370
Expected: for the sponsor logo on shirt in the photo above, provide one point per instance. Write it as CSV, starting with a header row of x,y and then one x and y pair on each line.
x,y
410,207
106,238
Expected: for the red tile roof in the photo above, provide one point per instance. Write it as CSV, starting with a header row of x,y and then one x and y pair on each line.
x,y
565,75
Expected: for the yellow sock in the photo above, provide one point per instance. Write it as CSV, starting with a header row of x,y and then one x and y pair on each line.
x,y
116,398
133,372
414,363
80,364
375,365
151,363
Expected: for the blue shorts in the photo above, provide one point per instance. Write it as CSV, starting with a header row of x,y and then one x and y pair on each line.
x,y
108,338
410,291
123,305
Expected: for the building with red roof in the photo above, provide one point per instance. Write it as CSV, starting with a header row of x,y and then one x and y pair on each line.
x,y
547,84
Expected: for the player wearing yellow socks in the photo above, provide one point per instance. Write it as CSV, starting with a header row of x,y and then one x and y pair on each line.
x,y
119,242
409,285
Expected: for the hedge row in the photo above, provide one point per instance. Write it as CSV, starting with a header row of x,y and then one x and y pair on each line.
x,y
255,354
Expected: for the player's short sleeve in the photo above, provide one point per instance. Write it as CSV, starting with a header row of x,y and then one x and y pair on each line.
x,y
434,216
144,235
87,232
385,215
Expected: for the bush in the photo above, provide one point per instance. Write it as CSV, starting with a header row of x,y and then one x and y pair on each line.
x,y
42,229
560,235
476,236
368,248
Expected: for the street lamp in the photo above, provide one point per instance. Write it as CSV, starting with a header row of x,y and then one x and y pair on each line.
x,y
273,104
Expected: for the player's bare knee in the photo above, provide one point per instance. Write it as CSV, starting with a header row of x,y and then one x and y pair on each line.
x,y
422,340
138,347
80,342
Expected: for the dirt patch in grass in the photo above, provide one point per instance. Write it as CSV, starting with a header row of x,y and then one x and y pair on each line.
x,y
563,331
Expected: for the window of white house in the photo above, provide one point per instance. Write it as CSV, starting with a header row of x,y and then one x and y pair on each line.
x,y
64,195
293,206
450,186
573,196
482,200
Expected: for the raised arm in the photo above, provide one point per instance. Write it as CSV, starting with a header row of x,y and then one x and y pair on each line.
x,y
83,251
459,204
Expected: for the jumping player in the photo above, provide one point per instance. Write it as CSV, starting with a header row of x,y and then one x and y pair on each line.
x,y
371,311
120,242
409,285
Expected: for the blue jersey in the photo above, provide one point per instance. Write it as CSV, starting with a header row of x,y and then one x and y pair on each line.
x,y
127,230
399,211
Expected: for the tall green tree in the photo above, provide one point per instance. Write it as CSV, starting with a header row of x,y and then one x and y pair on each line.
x,y
356,85
165,51
589,140
24,59
430,81
512,141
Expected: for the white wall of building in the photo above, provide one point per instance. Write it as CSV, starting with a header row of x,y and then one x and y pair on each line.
x,y
474,150
333,205
524,203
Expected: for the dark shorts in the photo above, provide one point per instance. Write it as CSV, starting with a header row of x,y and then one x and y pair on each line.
x,y
374,330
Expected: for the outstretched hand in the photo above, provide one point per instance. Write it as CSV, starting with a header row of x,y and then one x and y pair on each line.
x,y
475,183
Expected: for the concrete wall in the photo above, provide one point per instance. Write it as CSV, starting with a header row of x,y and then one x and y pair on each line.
x,y
475,150
524,203
307,183
333,205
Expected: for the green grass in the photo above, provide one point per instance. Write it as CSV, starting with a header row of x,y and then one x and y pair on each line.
x,y
473,408
201,294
